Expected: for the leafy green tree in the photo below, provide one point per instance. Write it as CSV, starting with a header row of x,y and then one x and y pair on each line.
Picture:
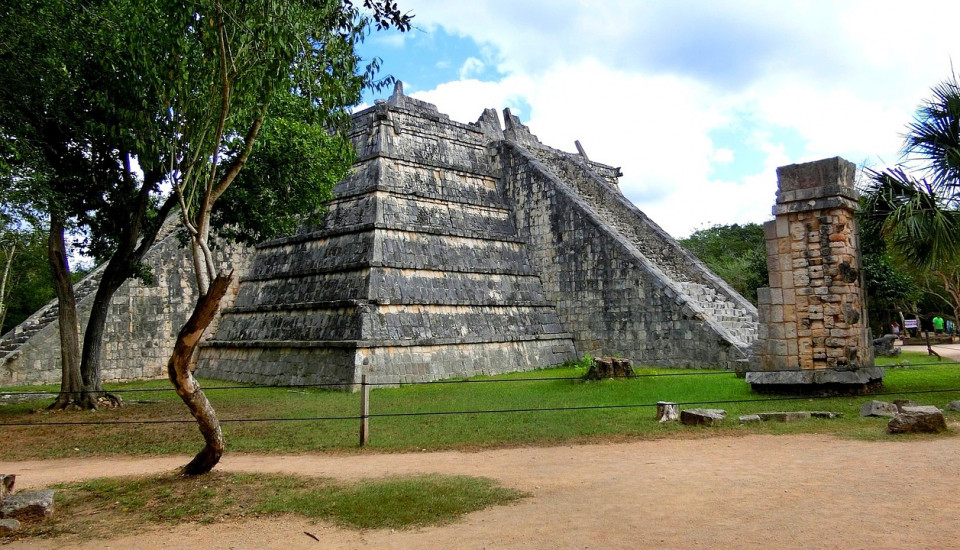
x,y
196,94
919,218
66,115
222,79
736,253
25,284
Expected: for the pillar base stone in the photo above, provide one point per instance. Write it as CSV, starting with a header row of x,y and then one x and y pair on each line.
x,y
818,382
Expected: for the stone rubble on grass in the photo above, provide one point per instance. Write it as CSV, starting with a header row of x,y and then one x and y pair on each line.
x,y
667,411
8,526
27,506
6,484
784,416
609,367
923,419
702,417
901,403
878,408
788,416
926,409
953,406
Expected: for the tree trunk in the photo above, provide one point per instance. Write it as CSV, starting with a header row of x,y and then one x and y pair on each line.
x,y
180,370
71,385
92,354
133,245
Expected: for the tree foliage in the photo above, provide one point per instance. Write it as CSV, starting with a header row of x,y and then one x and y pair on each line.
x,y
26,285
238,99
236,103
736,253
918,218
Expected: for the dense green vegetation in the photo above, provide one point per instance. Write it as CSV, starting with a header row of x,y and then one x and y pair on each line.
x,y
736,253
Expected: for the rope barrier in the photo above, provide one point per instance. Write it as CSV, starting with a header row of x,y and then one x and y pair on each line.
x,y
428,382
480,411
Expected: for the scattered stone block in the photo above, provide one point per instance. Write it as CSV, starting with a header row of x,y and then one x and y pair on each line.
x,y
702,417
826,414
27,506
784,416
750,418
6,484
901,403
609,367
878,408
884,347
667,411
8,526
926,409
953,406
917,422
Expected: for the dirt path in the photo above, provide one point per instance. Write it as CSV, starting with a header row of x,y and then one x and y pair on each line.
x,y
749,492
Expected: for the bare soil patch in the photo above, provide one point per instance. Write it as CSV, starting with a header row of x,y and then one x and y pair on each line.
x,y
799,491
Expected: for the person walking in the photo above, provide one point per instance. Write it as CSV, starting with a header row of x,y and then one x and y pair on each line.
x,y
938,325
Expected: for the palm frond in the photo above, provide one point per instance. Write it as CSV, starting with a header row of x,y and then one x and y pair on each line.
x,y
933,138
918,221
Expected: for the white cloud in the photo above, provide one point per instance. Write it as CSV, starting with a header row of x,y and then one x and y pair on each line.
x,y
471,68
643,85
390,40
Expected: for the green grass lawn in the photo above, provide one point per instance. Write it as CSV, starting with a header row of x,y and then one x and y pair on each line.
x,y
257,419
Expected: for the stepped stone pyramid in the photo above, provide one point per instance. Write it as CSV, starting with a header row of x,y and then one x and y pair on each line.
x,y
417,271
437,260
452,250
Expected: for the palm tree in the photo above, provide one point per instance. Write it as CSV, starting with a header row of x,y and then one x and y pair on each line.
x,y
919,218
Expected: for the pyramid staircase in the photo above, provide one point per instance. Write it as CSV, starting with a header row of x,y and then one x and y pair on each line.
x,y
13,340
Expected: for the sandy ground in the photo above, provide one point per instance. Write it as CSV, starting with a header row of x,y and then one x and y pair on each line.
x,y
803,491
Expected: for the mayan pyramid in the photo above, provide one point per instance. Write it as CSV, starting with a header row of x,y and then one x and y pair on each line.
x,y
420,270
452,250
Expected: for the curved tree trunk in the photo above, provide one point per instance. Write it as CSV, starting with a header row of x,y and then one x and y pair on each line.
x,y
71,385
180,370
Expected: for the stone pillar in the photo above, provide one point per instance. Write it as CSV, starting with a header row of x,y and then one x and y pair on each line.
x,y
814,335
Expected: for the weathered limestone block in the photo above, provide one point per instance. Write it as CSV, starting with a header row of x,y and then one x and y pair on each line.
x,y
925,409
917,422
609,367
901,403
29,505
878,408
667,411
8,526
750,418
784,416
825,414
6,484
883,346
953,406
702,417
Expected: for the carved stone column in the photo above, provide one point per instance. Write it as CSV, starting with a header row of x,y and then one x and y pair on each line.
x,y
814,335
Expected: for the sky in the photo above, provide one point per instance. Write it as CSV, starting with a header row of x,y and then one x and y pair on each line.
x,y
698,101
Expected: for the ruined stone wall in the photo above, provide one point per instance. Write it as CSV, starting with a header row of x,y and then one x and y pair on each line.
x,y
612,298
141,327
